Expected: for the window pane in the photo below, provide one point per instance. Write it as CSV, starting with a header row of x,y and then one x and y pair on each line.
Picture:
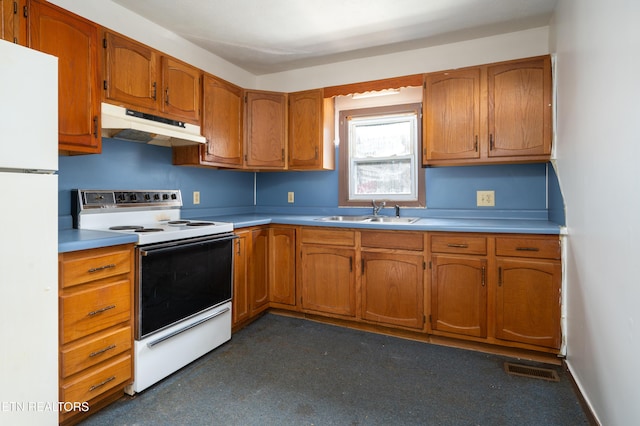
x,y
382,178
378,139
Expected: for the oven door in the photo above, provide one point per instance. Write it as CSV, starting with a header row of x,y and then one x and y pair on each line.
x,y
179,279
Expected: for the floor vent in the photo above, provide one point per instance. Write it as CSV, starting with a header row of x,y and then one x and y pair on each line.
x,y
532,372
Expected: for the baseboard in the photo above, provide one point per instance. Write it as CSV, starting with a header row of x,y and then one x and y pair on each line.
x,y
586,407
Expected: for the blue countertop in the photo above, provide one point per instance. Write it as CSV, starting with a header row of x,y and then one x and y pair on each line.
x,y
80,239
74,239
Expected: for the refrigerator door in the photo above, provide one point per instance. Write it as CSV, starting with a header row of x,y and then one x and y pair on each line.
x,y
29,298
28,109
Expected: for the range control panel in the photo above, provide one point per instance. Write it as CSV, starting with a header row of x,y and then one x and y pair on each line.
x,y
108,199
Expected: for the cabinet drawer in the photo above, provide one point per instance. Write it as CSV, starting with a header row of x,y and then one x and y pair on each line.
x,y
335,237
458,244
393,240
82,267
94,309
95,349
544,248
98,381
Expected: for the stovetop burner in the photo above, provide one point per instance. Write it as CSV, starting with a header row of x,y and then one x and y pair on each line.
x,y
200,223
178,222
149,230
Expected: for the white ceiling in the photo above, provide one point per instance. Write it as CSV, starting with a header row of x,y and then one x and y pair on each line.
x,y
266,36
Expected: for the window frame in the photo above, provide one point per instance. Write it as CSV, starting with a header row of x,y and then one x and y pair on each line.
x,y
344,157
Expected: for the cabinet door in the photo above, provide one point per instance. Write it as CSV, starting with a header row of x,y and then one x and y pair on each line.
x,y
259,268
452,115
222,123
392,288
241,305
181,90
74,41
520,108
131,71
265,134
282,265
459,295
528,301
311,131
13,25
328,280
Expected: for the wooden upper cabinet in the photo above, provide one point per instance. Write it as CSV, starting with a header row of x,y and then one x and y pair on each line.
x,y
222,108
130,72
141,78
181,90
74,41
452,115
519,95
497,113
265,133
311,132
13,23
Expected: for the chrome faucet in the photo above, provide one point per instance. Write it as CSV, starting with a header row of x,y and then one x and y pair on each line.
x,y
377,207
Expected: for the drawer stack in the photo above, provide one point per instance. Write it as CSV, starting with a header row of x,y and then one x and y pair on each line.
x,y
96,328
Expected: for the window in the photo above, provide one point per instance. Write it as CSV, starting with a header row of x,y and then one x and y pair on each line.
x,y
379,156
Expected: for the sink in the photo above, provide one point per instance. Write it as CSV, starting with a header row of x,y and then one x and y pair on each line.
x,y
369,219
392,219
344,218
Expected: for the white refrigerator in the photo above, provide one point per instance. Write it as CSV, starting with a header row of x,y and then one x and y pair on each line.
x,y
28,236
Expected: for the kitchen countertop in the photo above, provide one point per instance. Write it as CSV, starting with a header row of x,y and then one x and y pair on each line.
x,y
75,239
82,239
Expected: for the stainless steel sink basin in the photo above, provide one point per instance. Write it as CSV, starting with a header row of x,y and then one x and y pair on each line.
x,y
392,219
344,218
369,219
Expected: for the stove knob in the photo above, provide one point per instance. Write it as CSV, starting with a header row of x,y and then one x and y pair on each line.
x,y
165,196
133,197
156,197
147,197
174,197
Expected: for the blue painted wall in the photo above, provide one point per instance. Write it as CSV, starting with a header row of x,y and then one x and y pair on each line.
x,y
522,191
129,165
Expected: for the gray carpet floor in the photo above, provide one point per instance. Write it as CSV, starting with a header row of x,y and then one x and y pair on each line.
x,y
289,371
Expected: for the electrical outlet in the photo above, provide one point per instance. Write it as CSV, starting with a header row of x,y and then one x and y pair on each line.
x,y
290,197
196,197
486,198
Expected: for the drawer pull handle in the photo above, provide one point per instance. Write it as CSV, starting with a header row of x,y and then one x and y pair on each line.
x,y
101,268
483,275
458,245
94,387
99,311
101,351
527,249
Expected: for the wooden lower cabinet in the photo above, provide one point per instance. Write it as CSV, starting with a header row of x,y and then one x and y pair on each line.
x,y
392,289
498,289
392,278
282,266
240,303
264,271
528,301
459,295
328,279
96,326
258,271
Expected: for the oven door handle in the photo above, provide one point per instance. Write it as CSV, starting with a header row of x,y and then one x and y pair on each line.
x,y
188,327
159,248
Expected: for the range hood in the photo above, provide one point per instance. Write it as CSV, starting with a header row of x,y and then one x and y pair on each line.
x,y
122,123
